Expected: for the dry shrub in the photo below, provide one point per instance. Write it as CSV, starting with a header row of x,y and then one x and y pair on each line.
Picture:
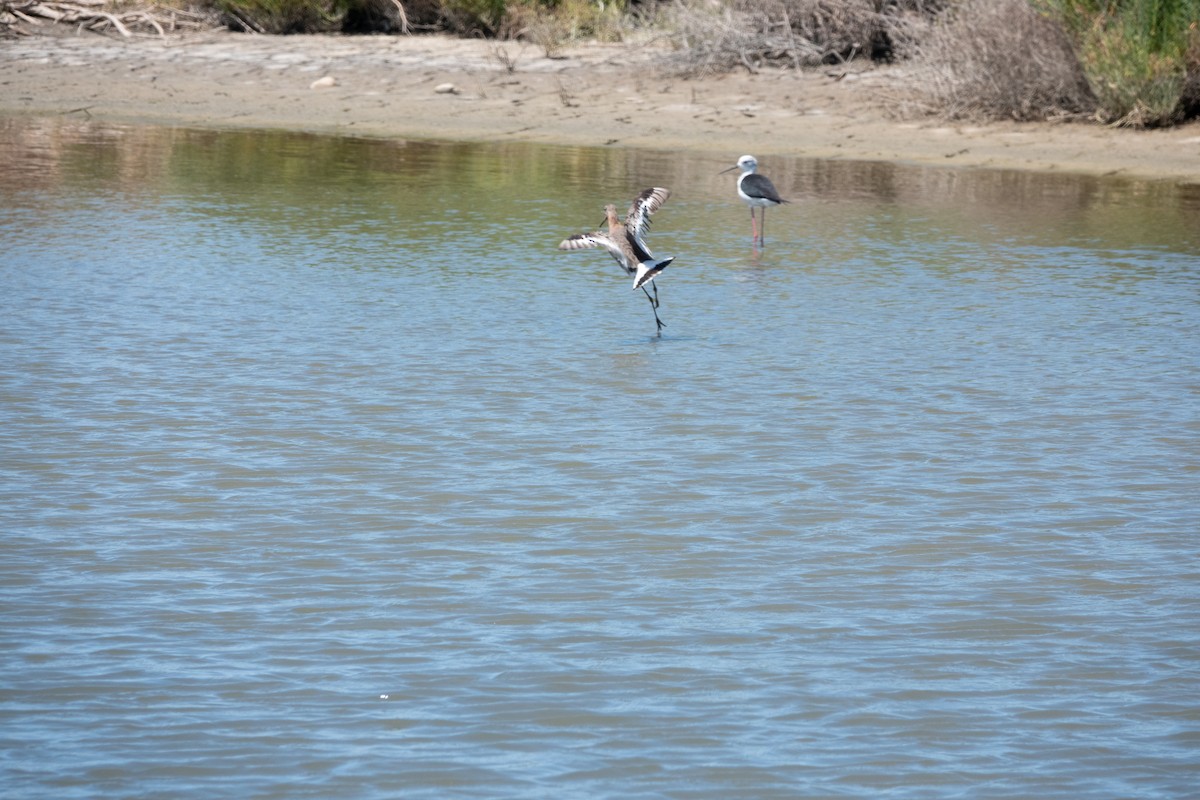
x,y
553,25
713,37
993,59
390,16
281,16
882,30
473,17
317,16
722,35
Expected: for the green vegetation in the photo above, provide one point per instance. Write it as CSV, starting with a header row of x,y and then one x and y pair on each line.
x,y
1141,57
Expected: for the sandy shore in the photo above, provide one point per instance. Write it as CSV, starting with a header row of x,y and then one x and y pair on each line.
x,y
596,95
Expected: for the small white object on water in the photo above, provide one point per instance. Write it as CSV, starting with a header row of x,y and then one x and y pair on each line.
x,y
446,88
323,83
383,697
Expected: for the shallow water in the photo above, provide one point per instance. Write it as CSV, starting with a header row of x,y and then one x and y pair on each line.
x,y
325,475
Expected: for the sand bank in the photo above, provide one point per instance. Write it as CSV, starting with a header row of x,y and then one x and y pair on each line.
x,y
595,95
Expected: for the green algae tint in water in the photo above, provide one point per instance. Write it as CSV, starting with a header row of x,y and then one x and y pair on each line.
x,y
325,475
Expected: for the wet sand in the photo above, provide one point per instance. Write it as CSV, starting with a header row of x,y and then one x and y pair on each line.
x,y
595,95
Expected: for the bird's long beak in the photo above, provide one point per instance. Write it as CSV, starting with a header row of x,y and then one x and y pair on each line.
x,y
731,169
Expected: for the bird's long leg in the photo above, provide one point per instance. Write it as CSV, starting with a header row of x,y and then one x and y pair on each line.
x,y
654,308
762,228
753,226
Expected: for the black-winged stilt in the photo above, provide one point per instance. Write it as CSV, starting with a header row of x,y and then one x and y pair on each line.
x,y
756,191
625,242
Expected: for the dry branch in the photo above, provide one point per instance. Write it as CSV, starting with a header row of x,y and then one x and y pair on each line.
x,y
91,15
721,35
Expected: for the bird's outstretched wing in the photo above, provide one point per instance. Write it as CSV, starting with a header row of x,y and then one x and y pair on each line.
x,y
583,241
645,204
586,241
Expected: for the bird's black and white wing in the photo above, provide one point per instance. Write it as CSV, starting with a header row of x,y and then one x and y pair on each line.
x,y
587,241
760,188
637,221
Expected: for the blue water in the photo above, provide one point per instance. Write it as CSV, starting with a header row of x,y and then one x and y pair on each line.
x,y
323,474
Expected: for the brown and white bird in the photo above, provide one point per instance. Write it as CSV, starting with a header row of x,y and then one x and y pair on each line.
x,y
626,243
756,191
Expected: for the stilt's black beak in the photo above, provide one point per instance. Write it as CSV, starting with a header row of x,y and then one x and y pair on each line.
x,y
731,169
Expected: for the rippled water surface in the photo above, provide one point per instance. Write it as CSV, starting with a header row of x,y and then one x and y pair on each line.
x,y
325,475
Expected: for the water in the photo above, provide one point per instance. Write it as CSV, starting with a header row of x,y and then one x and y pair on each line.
x,y
325,475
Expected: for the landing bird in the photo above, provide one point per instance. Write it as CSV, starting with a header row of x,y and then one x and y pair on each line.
x,y
625,242
756,191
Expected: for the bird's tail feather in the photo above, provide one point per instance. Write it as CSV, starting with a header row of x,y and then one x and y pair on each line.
x,y
648,271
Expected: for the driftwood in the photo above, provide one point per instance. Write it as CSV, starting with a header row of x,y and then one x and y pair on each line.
x,y
100,16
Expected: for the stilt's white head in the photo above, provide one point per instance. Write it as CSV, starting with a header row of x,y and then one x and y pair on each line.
x,y
745,164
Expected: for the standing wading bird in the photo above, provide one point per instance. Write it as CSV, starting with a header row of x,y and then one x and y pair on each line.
x,y
625,242
756,191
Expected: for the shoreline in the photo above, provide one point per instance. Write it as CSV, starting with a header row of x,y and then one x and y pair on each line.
x,y
438,87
